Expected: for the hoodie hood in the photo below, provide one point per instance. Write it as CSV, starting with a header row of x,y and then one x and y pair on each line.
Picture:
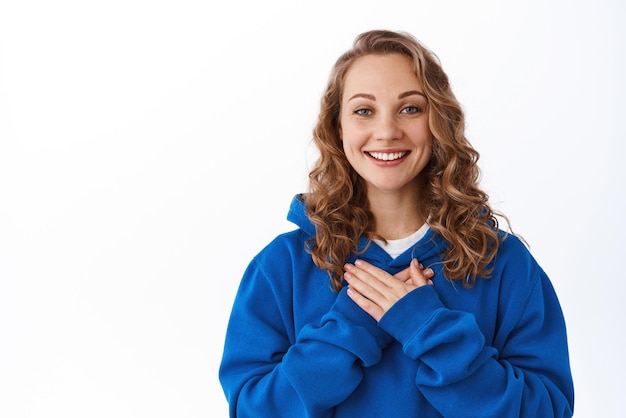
x,y
298,215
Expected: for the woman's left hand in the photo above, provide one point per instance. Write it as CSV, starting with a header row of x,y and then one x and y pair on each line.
x,y
376,291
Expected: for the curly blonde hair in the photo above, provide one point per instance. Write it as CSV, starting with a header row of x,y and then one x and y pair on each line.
x,y
458,209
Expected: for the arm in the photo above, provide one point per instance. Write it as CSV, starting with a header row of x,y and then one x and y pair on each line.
x,y
267,372
527,375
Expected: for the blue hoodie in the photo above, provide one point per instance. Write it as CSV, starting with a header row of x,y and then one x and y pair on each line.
x,y
295,348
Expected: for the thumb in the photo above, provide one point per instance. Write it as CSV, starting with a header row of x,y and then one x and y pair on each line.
x,y
418,277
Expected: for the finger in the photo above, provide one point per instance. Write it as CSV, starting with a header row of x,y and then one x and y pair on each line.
x,y
363,283
373,282
367,305
403,275
374,272
382,292
428,273
417,276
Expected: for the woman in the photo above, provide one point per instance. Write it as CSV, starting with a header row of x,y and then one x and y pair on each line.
x,y
431,310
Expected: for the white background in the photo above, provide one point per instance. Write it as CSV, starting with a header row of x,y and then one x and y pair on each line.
x,y
148,149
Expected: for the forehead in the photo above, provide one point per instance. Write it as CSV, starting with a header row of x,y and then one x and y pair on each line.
x,y
381,71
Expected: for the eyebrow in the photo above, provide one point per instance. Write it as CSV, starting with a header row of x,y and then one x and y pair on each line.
x,y
364,95
400,96
411,93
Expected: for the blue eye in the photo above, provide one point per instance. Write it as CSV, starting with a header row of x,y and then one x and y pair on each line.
x,y
411,109
363,112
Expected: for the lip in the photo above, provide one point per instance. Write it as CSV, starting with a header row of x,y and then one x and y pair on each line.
x,y
387,158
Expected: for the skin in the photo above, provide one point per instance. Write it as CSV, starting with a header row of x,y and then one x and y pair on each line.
x,y
384,113
387,140
376,291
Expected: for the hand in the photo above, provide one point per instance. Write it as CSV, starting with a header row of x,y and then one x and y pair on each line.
x,y
405,275
376,291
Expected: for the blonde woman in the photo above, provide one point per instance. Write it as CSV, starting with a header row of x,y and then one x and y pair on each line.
x,y
397,295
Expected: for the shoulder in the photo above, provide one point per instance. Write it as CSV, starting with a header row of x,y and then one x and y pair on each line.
x,y
285,271
513,251
282,256
516,268
285,245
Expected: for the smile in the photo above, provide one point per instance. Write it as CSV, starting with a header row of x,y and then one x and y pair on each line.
x,y
387,156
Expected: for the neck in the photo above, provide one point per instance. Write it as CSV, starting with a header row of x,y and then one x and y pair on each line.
x,y
397,215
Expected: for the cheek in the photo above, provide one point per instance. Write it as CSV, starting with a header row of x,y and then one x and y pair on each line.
x,y
423,136
351,149
348,136
341,123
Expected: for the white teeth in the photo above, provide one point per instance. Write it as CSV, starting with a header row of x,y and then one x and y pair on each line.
x,y
387,156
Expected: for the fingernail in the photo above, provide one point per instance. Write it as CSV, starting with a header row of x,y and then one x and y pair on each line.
x,y
358,262
348,266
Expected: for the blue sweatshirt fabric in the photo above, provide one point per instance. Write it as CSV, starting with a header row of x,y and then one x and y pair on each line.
x,y
295,348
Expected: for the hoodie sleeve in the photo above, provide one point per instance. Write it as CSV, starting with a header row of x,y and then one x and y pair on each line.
x,y
267,372
525,371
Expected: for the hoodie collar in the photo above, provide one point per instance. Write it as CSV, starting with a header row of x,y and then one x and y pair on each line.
x,y
425,250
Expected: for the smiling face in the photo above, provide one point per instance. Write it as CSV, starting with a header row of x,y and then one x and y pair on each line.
x,y
384,123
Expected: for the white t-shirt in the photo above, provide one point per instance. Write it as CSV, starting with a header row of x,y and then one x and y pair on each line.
x,y
395,247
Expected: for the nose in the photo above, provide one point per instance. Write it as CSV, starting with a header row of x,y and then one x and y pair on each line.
x,y
387,127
